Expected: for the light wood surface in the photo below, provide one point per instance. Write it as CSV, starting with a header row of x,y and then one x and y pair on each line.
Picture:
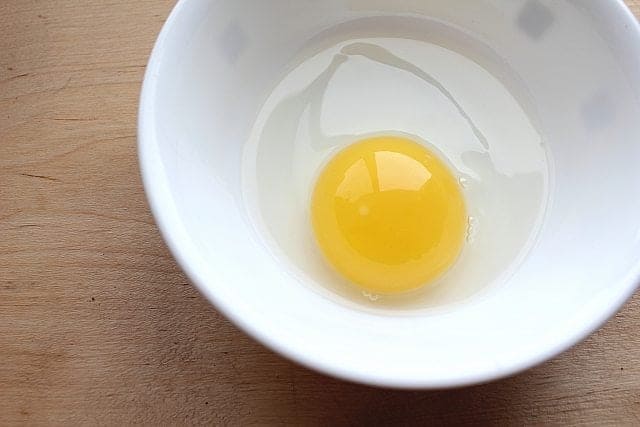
x,y
99,326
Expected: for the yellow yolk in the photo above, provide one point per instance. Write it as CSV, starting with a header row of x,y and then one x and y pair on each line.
x,y
388,215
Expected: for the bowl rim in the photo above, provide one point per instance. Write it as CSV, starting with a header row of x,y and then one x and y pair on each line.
x,y
153,191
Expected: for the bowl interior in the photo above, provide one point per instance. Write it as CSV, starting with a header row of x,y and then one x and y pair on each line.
x,y
576,65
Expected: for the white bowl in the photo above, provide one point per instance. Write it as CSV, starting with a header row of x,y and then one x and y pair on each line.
x,y
578,61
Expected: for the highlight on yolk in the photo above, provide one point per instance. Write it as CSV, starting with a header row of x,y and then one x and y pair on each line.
x,y
388,215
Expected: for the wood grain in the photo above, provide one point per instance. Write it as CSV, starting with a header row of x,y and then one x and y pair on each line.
x,y
99,326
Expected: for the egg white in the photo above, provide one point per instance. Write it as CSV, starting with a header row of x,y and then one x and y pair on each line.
x,y
435,96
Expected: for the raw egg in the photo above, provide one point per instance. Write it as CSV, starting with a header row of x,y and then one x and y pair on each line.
x,y
388,214
379,165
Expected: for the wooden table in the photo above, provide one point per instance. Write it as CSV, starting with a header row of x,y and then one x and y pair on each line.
x,y
97,323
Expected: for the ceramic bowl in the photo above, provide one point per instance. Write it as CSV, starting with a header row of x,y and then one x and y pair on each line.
x,y
577,64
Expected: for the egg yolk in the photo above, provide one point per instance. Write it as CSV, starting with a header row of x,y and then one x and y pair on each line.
x,y
388,215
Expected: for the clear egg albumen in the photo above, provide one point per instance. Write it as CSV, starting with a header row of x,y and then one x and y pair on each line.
x,y
366,87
